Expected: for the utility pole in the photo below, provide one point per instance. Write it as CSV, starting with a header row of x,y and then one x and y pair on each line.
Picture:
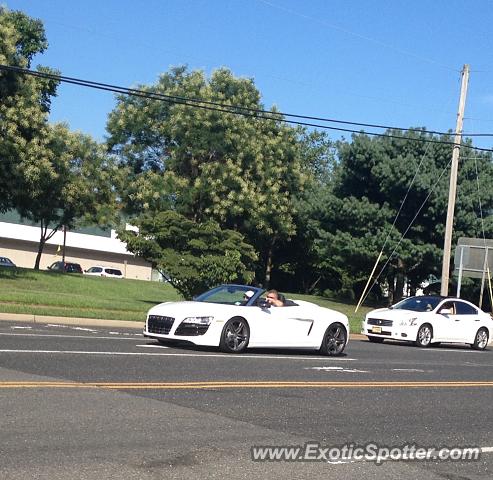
x,y
453,183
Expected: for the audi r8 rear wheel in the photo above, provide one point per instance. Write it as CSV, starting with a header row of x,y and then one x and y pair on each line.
x,y
235,336
334,341
480,340
425,334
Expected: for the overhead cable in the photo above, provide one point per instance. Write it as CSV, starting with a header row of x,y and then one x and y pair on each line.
x,y
244,111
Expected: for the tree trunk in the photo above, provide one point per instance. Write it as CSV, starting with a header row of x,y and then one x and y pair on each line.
x,y
400,281
41,245
391,288
268,266
399,287
44,237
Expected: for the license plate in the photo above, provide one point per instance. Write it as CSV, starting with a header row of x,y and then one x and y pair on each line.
x,y
376,329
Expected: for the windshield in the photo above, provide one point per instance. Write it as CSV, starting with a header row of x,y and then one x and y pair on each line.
x,y
418,304
229,294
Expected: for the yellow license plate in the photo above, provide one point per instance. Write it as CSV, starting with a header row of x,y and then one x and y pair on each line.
x,y
376,329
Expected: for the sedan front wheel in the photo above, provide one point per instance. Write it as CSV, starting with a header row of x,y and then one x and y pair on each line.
x,y
480,340
425,334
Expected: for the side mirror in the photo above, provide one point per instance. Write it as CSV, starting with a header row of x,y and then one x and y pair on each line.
x,y
446,311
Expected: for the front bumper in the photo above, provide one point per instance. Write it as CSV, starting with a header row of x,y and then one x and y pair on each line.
x,y
173,330
394,332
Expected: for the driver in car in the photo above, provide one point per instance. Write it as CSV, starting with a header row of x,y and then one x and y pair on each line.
x,y
274,298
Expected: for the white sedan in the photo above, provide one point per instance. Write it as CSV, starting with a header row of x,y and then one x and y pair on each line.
x,y
430,319
234,317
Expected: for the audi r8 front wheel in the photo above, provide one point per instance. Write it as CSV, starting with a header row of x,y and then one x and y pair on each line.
x,y
334,341
235,336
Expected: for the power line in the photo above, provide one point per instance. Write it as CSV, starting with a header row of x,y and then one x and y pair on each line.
x,y
358,35
239,110
176,98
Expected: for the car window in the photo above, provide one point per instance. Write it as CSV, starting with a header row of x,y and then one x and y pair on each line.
x,y
95,270
229,294
447,306
418,304
73,267
112,271
462,308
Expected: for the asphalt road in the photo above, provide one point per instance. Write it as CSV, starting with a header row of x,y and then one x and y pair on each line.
x,y
99,403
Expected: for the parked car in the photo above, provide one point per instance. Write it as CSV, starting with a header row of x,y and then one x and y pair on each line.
x,y
234,317
67,267
100,271
6,262
430,319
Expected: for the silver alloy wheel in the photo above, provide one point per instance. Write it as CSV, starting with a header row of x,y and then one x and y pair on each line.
x,y
334,340
236,335
424,336
481,339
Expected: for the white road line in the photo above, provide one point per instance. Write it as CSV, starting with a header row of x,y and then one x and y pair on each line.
x,y
408,370
337,369
225,355
64,336
486,449
152,346
85,329
21,328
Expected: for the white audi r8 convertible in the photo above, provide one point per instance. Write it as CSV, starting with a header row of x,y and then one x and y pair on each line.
x,y
430,319
234,317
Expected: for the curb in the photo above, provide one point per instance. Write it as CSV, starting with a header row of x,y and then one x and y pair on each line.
x,y
93,322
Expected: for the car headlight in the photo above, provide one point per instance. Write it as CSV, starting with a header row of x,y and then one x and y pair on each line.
x,y
409,322
197,320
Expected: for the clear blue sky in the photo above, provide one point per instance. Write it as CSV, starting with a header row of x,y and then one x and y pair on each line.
x,y
373,61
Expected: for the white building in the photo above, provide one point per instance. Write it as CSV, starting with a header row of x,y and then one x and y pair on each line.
x,y
19,241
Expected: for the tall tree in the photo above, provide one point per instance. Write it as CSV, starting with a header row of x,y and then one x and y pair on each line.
x,y
71,180
193,256
24,100
371,182
237,170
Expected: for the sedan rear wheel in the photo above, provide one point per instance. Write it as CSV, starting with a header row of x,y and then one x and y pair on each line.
x,y
334,340
235,336
425,334
481,339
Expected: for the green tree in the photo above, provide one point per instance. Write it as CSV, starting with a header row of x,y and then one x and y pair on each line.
x,y
370,184
236,170
193,256
24,100
71,180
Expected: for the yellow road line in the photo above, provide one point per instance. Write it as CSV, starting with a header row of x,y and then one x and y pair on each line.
x,y
241,384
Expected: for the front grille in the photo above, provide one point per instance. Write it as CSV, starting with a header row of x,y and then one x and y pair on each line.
x,y
379,321
159,324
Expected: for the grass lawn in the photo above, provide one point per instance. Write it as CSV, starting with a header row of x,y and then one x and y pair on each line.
x,y
69,295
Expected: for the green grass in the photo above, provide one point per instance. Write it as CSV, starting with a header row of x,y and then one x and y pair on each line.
x,y
69,295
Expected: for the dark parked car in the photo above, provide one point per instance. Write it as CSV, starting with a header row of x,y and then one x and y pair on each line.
x,y
6,262
66,267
